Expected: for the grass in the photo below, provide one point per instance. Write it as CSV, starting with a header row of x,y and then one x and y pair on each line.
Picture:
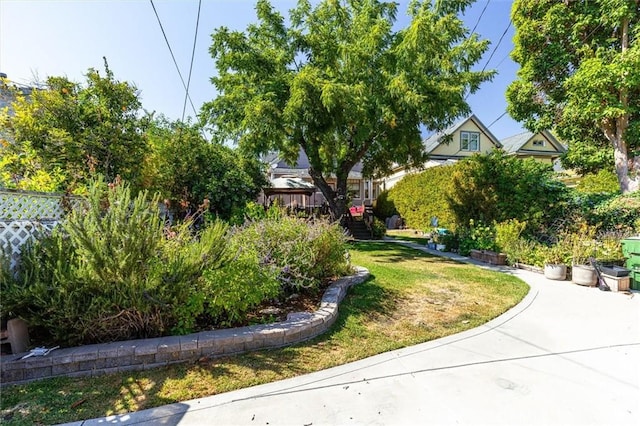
x,y
408,235
411,298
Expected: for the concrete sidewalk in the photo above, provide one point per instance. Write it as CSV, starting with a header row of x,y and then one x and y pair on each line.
x,y
566,355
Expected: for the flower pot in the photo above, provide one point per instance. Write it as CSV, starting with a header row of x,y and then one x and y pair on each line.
x,y
584,275
555,271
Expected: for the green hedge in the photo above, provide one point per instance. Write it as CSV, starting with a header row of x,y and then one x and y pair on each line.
x,y
421,196
498,187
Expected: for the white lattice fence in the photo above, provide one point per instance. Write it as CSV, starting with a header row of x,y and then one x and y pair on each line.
x,y
25,215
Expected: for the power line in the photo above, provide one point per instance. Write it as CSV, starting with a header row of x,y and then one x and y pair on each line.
x,y
496,120
193,53
497,45
502,60
480,17
173,56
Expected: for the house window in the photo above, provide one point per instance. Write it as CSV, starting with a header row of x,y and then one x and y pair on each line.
x,y
353,188
469,141
538,142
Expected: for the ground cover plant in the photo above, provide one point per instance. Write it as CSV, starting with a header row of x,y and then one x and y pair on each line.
x,y
412,297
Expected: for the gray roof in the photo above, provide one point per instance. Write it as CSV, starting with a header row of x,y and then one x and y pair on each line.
x,y
302,165
433,141
514,143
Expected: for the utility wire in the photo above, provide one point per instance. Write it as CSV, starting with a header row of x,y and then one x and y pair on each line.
x,y
173,56
497,45
193,53
480,17
496,120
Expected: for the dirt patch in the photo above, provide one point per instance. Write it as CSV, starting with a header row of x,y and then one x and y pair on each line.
x,y
276,311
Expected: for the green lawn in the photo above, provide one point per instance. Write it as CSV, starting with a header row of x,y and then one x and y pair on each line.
x,y
407,235
411,298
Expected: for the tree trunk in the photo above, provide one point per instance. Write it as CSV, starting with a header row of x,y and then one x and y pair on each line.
x,y
616,133
337,199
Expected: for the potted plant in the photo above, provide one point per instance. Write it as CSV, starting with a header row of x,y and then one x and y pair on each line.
x,y
583,246
555,262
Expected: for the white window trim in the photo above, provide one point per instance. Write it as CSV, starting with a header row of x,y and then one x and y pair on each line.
x,y
469,134
538,142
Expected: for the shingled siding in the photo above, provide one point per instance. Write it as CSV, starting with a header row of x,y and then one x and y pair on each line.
x,y
144,354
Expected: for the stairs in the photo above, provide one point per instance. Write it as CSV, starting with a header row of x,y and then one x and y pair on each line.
x,y
358,229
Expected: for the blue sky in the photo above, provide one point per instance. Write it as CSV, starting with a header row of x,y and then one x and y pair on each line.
x,y
40,38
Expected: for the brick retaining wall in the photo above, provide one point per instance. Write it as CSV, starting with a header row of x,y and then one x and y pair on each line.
x,y
145,354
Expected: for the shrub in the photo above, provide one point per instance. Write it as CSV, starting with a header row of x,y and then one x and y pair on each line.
x,y
497,187
507,236
620,213
109,272
528,252
303,253
477,236
383,207
421,196
378,228
605,181
187,170
237,287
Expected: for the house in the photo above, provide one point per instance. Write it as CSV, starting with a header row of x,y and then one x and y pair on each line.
x,y
542,146
293,186
462,139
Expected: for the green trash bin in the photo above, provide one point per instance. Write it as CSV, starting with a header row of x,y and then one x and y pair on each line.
x,y
631,251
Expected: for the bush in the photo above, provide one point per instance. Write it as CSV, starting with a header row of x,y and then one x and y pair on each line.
x,y
304,254
497,187
378,228
620,213
528,252
605,181
383,207
477,236
110,272
419,197
507,236
238,287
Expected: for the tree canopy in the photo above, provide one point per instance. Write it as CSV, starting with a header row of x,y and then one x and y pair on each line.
x,y
339,82
60,135
580,75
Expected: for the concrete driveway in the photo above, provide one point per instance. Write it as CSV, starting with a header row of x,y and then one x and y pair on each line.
x,y
566,355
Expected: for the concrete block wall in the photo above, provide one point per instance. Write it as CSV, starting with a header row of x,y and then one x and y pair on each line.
x,y
144,354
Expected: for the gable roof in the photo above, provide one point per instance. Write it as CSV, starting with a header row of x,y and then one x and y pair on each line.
x,y
301,167
514,143
433,141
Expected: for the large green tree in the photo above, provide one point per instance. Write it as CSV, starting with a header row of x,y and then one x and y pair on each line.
x,y
580,74
71,131
338,81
